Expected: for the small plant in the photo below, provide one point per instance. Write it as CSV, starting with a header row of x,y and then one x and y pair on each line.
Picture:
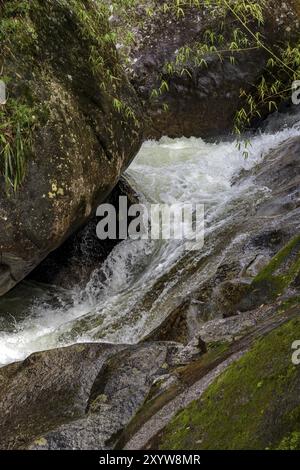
x,y
17,117
23,112
236,30
103,45
16,125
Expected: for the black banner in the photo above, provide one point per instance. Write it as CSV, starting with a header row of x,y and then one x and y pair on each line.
x,y
136,459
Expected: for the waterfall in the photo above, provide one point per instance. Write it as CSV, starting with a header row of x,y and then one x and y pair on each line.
x,y
141,282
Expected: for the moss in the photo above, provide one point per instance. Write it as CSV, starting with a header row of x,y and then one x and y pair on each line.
x,y
290,442
271,276
275,278
254,404
41,442
95,405
17,31
291,302
46,45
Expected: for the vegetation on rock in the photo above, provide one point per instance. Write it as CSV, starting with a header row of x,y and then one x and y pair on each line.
x,y
69,128
240,409
23,38
232,30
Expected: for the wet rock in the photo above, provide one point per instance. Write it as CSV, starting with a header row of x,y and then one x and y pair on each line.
x,y
252,261
228,295
178,389
256,265
46,390
77,397
177,327
191,352
254,404
5,277
74,261
115,397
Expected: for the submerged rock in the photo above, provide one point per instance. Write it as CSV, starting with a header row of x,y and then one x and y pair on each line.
x,y
69,129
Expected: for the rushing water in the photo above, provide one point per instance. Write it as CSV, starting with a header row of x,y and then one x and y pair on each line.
x,y
141,281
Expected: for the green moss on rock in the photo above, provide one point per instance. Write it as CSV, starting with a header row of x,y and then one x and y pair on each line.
x,y
291,302
42,38
254,404
282,269
290,442
69,129
274,279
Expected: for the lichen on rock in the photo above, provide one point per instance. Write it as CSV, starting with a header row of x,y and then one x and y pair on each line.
x,y
71,125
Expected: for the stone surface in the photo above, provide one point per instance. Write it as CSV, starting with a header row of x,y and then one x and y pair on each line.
x,y
78,397
72,264
46,390
254,404
115,397
80,126
202,101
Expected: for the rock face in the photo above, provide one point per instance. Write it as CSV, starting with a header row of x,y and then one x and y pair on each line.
x,y
68,130
200,101
51,388
76,397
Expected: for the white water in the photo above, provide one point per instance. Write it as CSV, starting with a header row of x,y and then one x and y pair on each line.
x,y
111,307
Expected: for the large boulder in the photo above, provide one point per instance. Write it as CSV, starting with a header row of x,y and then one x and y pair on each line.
x,y
198,100
77,397
51,388
68,130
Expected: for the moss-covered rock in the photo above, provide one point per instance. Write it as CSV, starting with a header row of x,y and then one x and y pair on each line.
x,y
254,404
186,92
274,280
69,128
281,271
